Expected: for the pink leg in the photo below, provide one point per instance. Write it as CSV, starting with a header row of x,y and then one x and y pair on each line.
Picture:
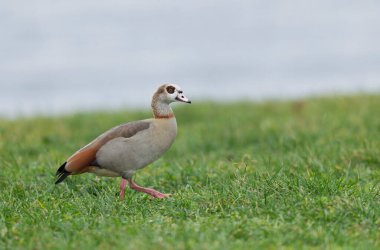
x,y
150,191
123,183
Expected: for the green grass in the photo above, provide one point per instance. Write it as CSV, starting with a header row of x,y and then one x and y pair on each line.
x,y
271,175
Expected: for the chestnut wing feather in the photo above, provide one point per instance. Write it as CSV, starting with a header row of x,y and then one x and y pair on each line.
x,y
84,157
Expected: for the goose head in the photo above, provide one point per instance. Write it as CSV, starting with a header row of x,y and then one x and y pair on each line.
x,y
169,93
165,95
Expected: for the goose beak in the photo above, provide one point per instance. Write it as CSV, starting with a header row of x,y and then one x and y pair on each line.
x,y
182,98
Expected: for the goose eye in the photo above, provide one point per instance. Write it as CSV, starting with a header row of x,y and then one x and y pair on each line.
x,y
170,89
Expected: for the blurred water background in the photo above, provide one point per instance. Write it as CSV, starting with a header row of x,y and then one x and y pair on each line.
x,y
66,56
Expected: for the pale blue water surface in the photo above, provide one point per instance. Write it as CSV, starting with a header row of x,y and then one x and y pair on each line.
x,y
67,56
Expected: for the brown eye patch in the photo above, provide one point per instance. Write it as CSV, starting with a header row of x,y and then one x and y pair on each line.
x,y
170,89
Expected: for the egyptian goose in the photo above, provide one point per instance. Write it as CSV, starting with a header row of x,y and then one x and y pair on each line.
x,y
126,148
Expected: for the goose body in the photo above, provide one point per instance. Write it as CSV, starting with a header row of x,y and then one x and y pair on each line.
x,y
124,149
126,155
